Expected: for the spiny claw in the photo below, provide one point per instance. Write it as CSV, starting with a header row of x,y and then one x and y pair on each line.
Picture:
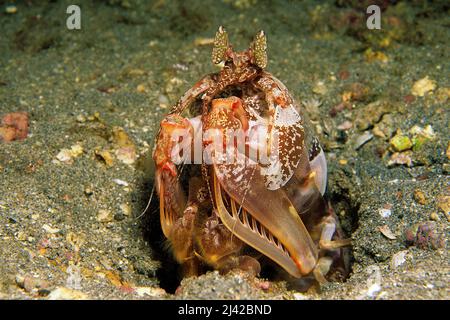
x,y
172,127
171,194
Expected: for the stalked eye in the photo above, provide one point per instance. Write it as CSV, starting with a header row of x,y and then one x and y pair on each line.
x,y
259,46
219,53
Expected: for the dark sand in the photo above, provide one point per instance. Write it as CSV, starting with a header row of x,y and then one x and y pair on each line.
x,y
133,59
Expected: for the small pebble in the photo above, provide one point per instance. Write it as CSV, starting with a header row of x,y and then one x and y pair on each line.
x,y
445,168
67,155
49,229
320,88
372,56
423,86
385,213
377,132
126,209
64,155
10,9
104,216
136,72
30,284
121,182
300,296
203,41
162,99
81,118
14,126
21,236
419,196
76,150
141,88
434,216
400,143
88,191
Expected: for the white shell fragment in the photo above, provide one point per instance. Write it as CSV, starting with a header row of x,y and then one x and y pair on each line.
x,y
398,259
385,213
49,229
121,182
363,139
387,232
373,280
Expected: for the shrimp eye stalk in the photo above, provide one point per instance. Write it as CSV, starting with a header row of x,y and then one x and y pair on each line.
x,y
221,44
259,48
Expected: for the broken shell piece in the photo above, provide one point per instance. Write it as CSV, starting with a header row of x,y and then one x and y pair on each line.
x,y
363,139
443,203
121,182
398,259
104,216
149,291
373,281
427,132
66,155
141,88
345,125
401,158
387,232
126,209
126,154
385,128
63,293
